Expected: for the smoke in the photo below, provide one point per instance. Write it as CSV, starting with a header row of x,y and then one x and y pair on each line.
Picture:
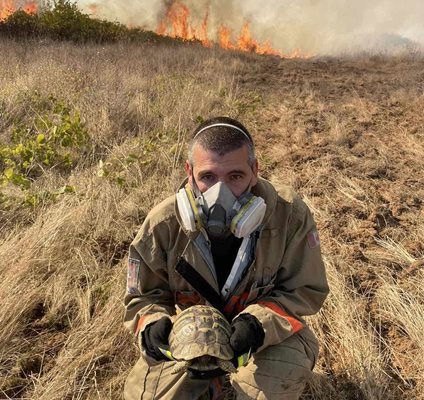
x,y
143,13
312,26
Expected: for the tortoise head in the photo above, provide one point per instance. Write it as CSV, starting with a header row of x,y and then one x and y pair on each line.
x,y
205,363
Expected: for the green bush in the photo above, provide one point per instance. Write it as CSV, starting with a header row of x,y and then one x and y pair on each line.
x,y
64,21
21,24
51,137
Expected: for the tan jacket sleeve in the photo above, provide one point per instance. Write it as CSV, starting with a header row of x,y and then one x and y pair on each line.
x,y
148,297
300,286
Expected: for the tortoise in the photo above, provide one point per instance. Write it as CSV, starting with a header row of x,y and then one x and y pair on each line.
x,y
200,339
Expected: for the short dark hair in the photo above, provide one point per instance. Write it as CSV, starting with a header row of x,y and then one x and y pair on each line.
x,y
222,135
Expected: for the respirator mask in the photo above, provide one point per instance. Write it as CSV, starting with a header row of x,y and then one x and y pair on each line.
x,y
219,212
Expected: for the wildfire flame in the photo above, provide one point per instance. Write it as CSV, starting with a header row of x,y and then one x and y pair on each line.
x,y
177,17
93,8
8,7
176,24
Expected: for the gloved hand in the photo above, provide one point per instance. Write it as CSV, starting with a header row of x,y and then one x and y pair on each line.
x,y
155,336
248,334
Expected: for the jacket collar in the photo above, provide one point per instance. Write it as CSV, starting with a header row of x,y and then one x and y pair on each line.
x,y
267,191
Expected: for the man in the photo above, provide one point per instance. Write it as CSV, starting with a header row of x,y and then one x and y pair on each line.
x,y
227,239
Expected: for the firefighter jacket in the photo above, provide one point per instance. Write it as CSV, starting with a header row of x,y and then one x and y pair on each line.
x,y
285,278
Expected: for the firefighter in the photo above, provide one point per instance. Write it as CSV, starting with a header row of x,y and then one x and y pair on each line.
x,y
227,238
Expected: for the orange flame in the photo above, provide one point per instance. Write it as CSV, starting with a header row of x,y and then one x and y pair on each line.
x,y
176,24
245,40
93,8
8,7
225,37
30,8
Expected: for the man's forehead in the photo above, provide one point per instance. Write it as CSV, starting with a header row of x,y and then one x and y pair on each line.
x,y
202,156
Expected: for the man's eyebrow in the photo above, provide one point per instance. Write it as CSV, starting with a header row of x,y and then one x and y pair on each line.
x,y
205,172
233,171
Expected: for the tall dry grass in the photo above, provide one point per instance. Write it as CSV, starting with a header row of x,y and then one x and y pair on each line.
x,y
347,134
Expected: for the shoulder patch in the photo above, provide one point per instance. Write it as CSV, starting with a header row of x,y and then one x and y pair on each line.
x,y
132,275
313,239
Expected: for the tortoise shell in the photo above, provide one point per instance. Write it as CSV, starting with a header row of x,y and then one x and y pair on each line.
x,y
200,331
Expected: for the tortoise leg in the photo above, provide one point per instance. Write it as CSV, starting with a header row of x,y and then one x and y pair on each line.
x,y
180,366
227,366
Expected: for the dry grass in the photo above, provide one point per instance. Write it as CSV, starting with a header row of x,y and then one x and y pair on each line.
x,y
347,134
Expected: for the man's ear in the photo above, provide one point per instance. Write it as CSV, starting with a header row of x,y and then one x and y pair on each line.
x,y
255,170
189,171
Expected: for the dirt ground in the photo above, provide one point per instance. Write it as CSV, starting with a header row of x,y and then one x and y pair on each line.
x,y
353,146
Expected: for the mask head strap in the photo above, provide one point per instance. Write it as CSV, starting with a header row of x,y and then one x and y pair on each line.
x,y
227,126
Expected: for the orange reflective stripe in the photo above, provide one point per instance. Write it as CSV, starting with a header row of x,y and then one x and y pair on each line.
x,y
236,303
140,324
295,324
229,307
187,299
216,386
241,304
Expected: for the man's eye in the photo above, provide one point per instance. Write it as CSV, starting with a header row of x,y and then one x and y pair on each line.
x,y
236,177
207,178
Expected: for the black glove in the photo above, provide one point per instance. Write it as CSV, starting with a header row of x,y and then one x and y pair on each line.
x,y
248,334
155,335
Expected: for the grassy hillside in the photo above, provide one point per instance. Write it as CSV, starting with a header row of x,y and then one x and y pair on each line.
x,y
92,136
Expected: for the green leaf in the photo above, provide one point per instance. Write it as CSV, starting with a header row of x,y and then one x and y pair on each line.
x,y
120,181
31,200
21,181
66,189
67,160
69,189
131,158
41,138
8,173
66,141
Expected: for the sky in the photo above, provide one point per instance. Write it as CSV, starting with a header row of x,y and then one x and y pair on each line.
x,y
317,26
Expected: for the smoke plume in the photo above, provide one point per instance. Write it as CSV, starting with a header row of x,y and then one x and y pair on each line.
x,y
311,26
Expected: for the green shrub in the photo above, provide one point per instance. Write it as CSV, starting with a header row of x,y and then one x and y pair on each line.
x,y
21,24
36,198
66,21
51,137
62,20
